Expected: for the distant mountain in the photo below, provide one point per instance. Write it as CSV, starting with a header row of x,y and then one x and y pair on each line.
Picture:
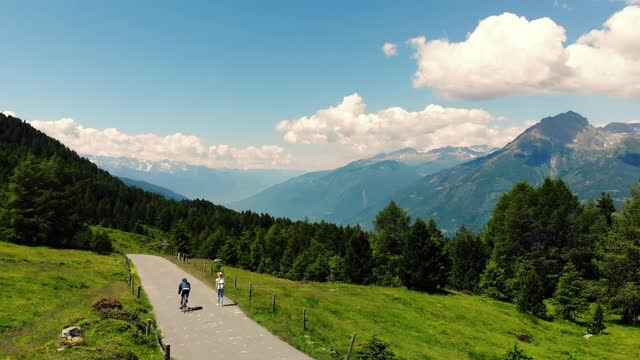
x,y
590,160
153,188
338,195
195,182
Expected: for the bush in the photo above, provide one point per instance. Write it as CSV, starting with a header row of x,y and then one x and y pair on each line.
x,y
375,349
101,243
107,303
110,308
596,324
516,354
523,337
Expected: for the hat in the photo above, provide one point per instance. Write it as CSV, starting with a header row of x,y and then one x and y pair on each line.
x,y
220,273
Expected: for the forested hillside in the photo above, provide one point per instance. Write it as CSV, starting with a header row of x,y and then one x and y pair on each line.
x,y
540,243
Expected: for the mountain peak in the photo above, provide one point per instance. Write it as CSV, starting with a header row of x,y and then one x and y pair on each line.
x,y
562,127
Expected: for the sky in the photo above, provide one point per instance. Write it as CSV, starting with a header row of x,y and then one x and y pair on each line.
x,y
311,84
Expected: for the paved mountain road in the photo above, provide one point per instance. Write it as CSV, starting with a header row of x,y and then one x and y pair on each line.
x,y
211,333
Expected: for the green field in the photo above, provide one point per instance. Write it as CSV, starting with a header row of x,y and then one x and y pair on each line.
x,y
418,325
46,290
130,243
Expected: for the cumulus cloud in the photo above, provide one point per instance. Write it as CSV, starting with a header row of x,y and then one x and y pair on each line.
x,y
174,147
633,2
8,113
350,125
509,54
390,49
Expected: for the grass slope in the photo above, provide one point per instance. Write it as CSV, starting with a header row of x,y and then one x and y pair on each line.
x,y
418,325
46,290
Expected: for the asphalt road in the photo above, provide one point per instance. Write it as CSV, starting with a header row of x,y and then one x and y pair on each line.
x,y
210,333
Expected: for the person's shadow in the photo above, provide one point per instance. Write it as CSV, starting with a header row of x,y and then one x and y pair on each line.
x,y
193,308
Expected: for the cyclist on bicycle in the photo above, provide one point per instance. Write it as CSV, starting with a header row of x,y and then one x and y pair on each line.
x,y
183,290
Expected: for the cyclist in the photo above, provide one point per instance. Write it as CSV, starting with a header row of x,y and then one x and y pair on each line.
x,y
183,290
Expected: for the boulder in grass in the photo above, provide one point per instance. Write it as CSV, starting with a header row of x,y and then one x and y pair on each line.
x,y
72,331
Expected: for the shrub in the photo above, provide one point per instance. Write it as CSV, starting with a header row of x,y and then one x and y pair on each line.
x,y
516,354
596,324
107,303
375,349
101,243
523,337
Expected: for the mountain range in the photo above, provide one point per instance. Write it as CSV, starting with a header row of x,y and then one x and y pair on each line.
x,y
590,160
341,194
169,194
460,186
195,182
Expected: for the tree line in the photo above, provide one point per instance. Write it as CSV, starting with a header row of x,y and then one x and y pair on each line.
x,y
540,242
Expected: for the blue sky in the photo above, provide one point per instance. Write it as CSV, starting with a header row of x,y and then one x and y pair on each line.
x,y
227,72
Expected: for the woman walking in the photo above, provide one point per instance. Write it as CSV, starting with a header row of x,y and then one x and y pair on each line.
x,y
220,287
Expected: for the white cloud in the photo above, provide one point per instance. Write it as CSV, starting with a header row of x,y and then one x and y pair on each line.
x,y
350,125
390,49
508,54
175,147
8,113
632,2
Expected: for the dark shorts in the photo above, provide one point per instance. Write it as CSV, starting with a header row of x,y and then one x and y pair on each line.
x,y
185,293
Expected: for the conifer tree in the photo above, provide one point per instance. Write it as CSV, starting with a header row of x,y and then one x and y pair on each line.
x,y
569,297
424,265
529,290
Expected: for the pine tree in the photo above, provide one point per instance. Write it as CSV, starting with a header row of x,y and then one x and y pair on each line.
x,y
529,290
468,259
424,265
596,324
358,257
392,226
569,297
516,354
607,207
493,282
375,349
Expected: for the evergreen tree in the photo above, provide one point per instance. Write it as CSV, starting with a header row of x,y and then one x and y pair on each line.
x,y
596,323
569,297
180,238
516,354
468,259
375,349
529,290
358,257
424,265
607,207
619,259
392,226
493,282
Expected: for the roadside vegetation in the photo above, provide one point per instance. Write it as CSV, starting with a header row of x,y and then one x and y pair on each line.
x,y
416,325
47,290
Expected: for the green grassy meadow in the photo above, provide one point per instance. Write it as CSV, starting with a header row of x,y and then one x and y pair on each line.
x,y
46,290
130,243
418,325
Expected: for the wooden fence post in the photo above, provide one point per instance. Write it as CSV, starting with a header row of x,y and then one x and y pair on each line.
x,y
353,339
273,302
132,283
235,282
304,319
147,330
130,278
167,352
139,287
250,290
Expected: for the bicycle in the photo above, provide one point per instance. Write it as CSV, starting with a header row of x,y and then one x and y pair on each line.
x,y
184,301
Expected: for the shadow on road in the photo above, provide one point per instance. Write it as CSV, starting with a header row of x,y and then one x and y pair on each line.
x,y
195,308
